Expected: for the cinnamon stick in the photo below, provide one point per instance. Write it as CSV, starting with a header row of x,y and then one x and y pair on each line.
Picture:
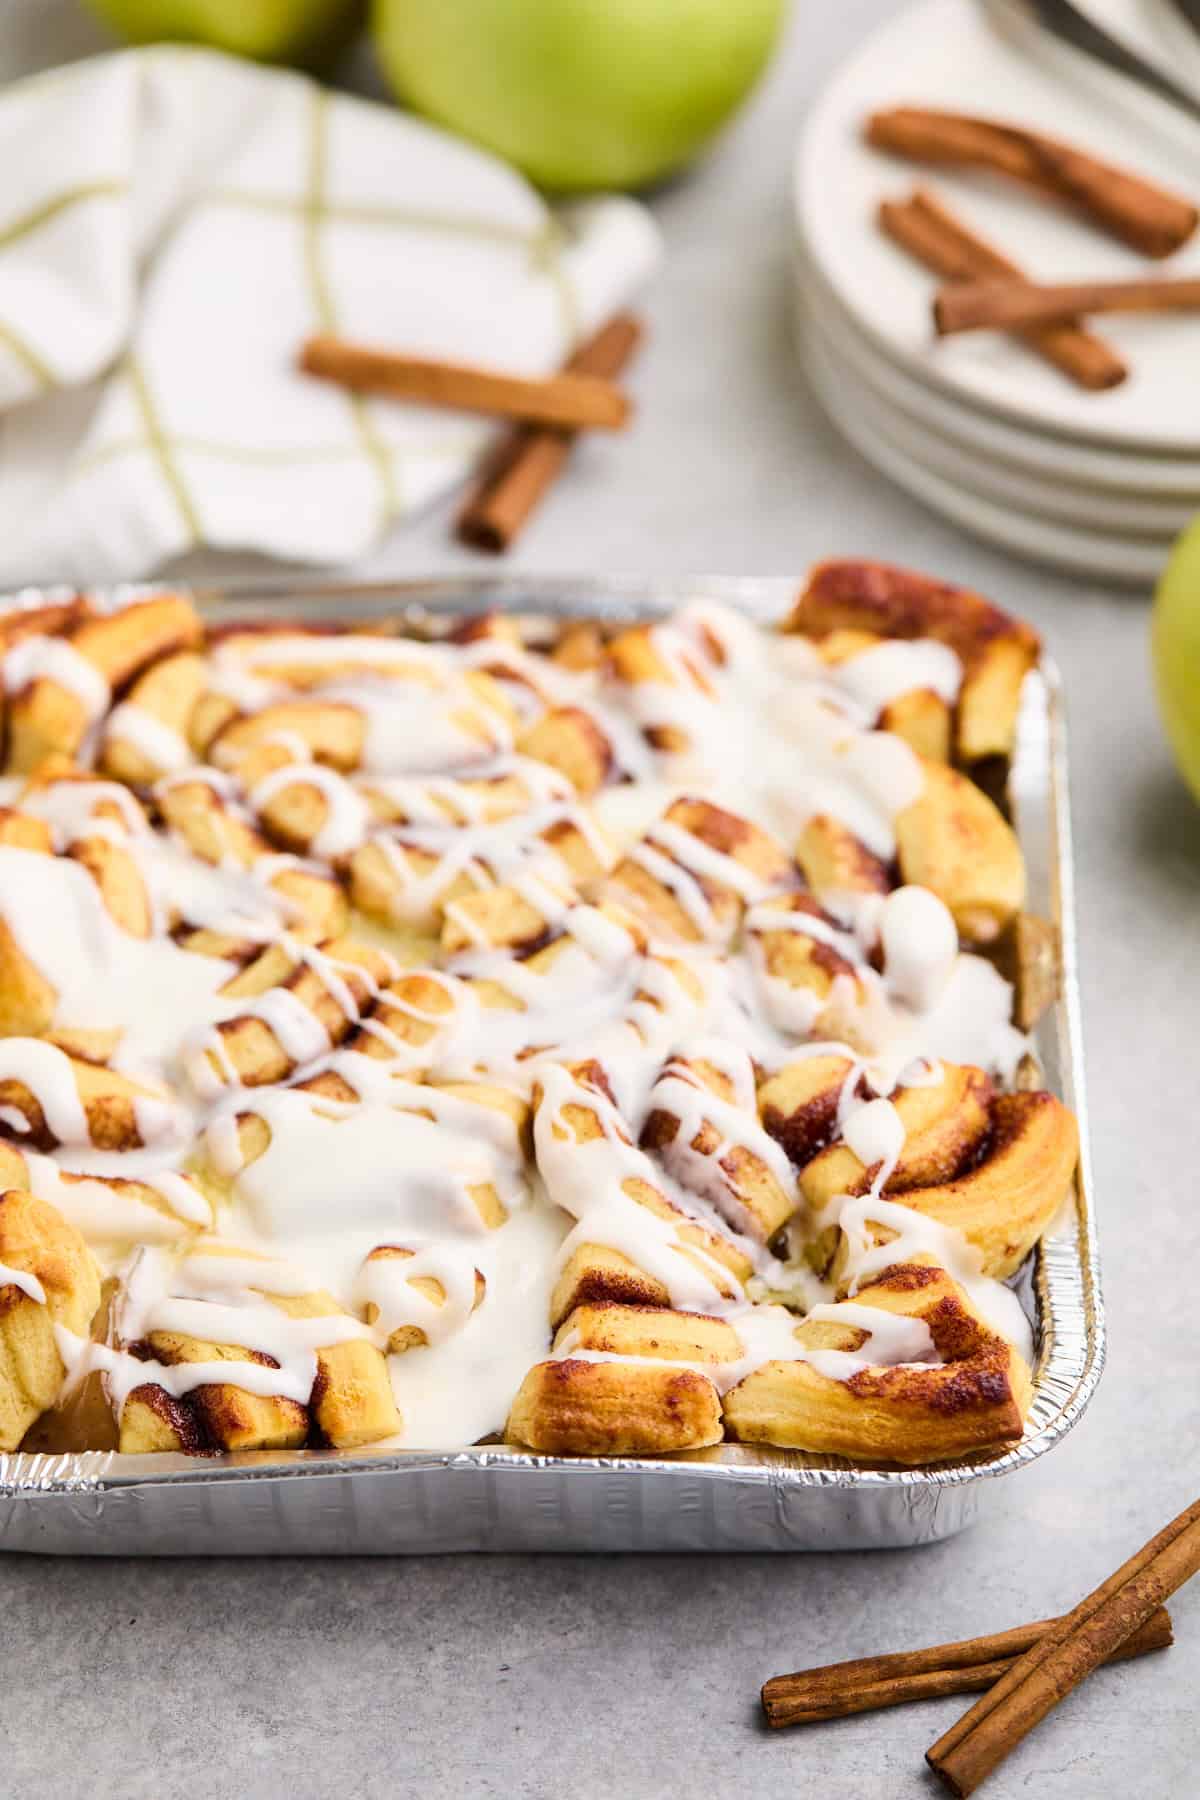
x,y
575,401
1078,1643
529,461
1128,207
930,233
1005,305
871,1682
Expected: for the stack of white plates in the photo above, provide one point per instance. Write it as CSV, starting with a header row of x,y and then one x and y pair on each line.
x,y
977,426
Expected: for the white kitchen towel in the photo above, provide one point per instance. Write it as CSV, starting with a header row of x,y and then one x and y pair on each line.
x,y
173,224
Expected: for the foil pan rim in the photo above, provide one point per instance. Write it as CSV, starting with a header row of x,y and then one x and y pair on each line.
x,y
1066,1273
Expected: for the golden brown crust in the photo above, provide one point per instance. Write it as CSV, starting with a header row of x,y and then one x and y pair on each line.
x,y
849,593
576,1408
833,861
351,1403
22,831
648,1331
115,871
799,1103
38,1242
1006,1201
569,740
946,1124
332,733
954,841
168,693
996,649
996,1167
45,718
923,720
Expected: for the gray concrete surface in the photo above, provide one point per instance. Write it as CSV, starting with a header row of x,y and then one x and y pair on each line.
x,y
568,1676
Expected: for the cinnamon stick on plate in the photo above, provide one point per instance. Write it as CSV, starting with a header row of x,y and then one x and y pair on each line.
x,y
574,401
529,460
872,1682
1007,305
1136,211
1074,1646
930,233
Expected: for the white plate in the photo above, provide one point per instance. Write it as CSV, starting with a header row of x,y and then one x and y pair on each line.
x,y
956,54
1113,560
1046,455
1049,492
994,482
1083,508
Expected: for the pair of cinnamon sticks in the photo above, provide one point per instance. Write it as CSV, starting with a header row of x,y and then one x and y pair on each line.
x,y
547,413
1025,1672
985,289
927,229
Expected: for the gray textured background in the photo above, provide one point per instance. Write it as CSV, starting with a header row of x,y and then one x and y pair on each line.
x,y
568,1675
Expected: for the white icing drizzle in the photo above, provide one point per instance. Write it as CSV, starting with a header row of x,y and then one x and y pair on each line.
x,y
46,1071
917,1236
101,975
124,1372
679,1093
70,807
21,1278
153,739
883,672
346,816
56,659
920,946
768,1334
107,1214
508,852
701,859
387,1284
875,1132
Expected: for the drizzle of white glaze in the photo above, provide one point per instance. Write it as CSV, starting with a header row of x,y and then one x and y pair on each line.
x,y
23,1279
159,743
885,671
56,659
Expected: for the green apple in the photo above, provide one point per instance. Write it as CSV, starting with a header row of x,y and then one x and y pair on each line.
x,y
578,93
1175,643
292,31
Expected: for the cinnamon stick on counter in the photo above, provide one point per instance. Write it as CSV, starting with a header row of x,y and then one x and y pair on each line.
x,y
872,1682
528,462
1074,1646
1007,305
1129,208
930,233
577,402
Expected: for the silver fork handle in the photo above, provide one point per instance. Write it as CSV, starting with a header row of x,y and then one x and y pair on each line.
x,y
1067,22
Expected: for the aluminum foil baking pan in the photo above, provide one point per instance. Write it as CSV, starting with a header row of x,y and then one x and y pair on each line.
x,y
496,1498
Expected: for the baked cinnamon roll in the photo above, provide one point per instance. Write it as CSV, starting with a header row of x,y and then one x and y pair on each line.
x,y
905,1372
996,651
60,686
568,1032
